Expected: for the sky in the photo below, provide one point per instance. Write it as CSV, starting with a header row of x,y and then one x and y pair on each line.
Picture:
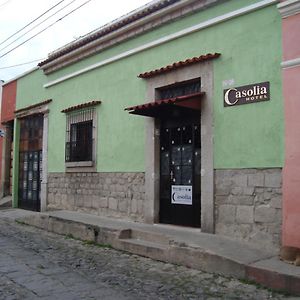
x,y
15,14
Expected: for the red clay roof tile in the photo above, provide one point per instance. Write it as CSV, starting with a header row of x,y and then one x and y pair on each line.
x,y
163,102
107,29
80,106
179,64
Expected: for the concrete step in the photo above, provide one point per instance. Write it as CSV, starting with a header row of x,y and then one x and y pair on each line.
x,y
144,243
144,248
196,250
145,236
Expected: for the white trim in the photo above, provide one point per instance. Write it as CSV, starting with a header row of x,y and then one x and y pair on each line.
x,y
290,63
21,75
289,8
168,38
79,164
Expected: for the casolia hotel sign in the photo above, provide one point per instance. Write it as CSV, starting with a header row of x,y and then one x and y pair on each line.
x,y
246,94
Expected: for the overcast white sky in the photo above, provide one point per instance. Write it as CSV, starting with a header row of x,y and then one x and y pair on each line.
x,y
15,14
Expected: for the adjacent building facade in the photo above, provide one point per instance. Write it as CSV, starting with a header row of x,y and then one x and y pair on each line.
x,y
171,114
290,13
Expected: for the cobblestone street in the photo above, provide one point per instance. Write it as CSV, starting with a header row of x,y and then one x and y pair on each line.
x,y
39,265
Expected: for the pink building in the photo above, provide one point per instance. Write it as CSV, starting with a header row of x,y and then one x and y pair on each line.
x,y
290,12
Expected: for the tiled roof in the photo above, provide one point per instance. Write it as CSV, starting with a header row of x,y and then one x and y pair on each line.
x,y
33,106
80,106
163,102
179,64
111,27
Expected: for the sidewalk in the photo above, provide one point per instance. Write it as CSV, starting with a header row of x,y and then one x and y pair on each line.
x,y
184,246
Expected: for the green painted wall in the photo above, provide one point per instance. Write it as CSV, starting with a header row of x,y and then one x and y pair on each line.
x,y
245,136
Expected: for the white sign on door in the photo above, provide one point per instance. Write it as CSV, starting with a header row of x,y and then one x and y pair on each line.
x,y
182,194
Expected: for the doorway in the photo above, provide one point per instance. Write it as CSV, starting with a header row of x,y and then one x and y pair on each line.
x,y
30,162
180,172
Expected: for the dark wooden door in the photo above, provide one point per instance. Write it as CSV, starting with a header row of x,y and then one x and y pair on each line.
x,y
180,167
30,162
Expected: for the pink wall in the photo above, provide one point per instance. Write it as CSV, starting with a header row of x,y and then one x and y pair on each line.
x,y
291,37
291,172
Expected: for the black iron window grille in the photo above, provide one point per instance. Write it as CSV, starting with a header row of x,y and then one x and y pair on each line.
x,y
79,136
180,89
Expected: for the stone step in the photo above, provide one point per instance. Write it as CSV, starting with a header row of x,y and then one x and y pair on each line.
x,y
144,248
145,236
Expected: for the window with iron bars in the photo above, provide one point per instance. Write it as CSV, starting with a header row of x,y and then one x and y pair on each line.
x,y
79,136
180,89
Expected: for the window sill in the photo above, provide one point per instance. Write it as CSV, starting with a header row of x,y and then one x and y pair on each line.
x,y
76,164
80,166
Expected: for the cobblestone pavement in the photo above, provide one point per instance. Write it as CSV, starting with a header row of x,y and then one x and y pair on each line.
x,y
35,264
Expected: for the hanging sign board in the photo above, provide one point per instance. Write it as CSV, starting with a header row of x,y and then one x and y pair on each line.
x,y
182,194
246,94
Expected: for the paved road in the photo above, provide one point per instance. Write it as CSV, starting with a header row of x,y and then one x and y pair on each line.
x,y
38,265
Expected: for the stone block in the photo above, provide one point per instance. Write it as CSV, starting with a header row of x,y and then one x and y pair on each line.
x,y
87,201
133,205
79,202
248,191
51,198
71,201
112,203
273,179
267,195
264,214
276,202
95,202
221,200
222,189
239,180
226,214
244,214
241,200
129,194
237,190
103,202
257,179
123,205
140,207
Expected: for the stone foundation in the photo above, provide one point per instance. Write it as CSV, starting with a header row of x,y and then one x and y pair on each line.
x,y
248,205
105,194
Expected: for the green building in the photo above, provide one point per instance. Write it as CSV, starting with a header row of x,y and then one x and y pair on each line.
x,y
171,114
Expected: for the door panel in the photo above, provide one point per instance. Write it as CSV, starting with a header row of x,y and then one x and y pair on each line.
x,y
180,168
30,162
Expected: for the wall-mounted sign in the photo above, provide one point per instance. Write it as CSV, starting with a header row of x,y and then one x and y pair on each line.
x,y
182,194
246,94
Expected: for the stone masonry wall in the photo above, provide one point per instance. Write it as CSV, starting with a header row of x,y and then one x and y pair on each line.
x,y
248,205
106,194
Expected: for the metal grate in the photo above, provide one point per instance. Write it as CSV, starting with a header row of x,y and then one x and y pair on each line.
x,y
79,136
30,162
180,89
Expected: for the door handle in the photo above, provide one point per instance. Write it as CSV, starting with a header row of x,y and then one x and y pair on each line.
x,y
171,174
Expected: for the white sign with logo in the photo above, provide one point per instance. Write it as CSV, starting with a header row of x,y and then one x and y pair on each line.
x,y
182,194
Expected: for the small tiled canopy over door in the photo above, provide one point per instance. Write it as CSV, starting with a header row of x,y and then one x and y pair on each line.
x,y
30,162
